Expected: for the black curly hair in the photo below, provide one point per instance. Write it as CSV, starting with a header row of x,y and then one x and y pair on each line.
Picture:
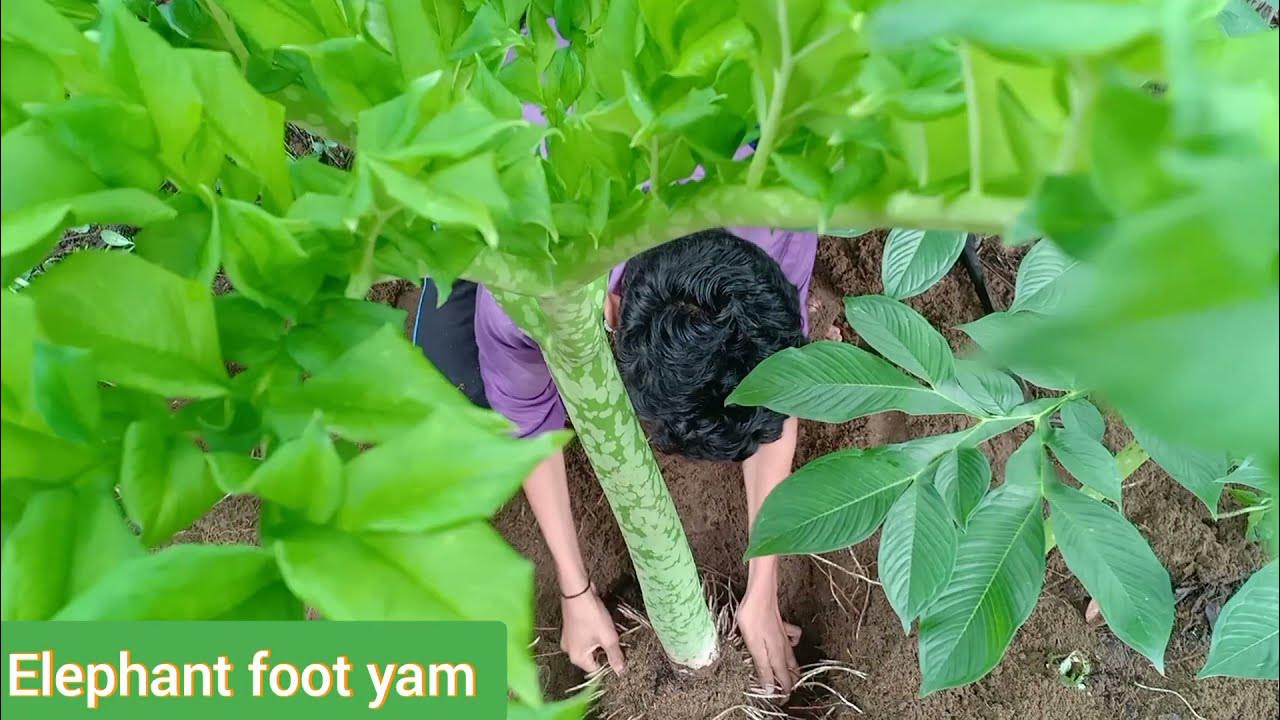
x,y
699,313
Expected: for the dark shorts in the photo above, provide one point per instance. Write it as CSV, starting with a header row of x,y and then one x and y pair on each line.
x,y
447,336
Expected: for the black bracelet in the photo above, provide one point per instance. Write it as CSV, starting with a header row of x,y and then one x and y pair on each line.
x,y
577,594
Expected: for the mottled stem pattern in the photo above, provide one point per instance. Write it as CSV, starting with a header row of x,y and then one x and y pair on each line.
x,y
570,330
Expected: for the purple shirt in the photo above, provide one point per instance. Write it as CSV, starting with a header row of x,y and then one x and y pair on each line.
x,y
517,382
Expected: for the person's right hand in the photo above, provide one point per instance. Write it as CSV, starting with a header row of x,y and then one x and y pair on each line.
x,y
588,628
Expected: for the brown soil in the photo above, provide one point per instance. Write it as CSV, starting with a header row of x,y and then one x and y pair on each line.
x,y
848,620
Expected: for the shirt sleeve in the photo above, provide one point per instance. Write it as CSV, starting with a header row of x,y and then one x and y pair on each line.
x,y
794,252
517,382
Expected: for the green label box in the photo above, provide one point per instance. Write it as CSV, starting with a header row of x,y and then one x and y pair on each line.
x,y
249,670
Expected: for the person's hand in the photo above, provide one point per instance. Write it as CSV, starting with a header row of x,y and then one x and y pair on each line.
x,y
588,628
770,641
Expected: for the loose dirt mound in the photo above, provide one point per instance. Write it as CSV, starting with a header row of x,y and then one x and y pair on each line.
x,y
848,619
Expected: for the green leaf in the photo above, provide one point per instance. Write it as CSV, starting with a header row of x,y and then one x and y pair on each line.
x,y
65,541
131,54
710,49
1039,286
462,573
1199,471
832,502
165,483
902,335
1088,460
915,259
249,333
1241,17
184,244
441,473
28,236
305,474
273,23
1246,638
263,260
993,589
444,208
250,125
805,175
183,582
962,479
1080,415
455,133
917,551
377,390
835,382
1117,567
1026,463
996,330
353,74
66,391
170,343
1058,27
982,387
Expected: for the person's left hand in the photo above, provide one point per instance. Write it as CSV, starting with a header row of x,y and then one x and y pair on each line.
x,y
770,641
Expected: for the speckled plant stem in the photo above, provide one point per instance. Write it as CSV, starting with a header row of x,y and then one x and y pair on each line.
x,y
570,330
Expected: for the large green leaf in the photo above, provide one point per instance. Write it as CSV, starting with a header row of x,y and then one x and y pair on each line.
x,y
915,259
64,542
902,335
917,551
1088,460
1246,638
1199,471
835,382
962,479
462,573
832,502
440,473
165,482
1117,567
186,582
147,328
997,579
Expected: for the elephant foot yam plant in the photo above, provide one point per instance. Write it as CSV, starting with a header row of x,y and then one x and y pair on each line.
x,y
961,560
1135,134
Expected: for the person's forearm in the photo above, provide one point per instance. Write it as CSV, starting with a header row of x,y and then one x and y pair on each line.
x,y
547,489
761,473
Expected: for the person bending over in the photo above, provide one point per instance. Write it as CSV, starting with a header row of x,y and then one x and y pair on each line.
x,y
690,318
